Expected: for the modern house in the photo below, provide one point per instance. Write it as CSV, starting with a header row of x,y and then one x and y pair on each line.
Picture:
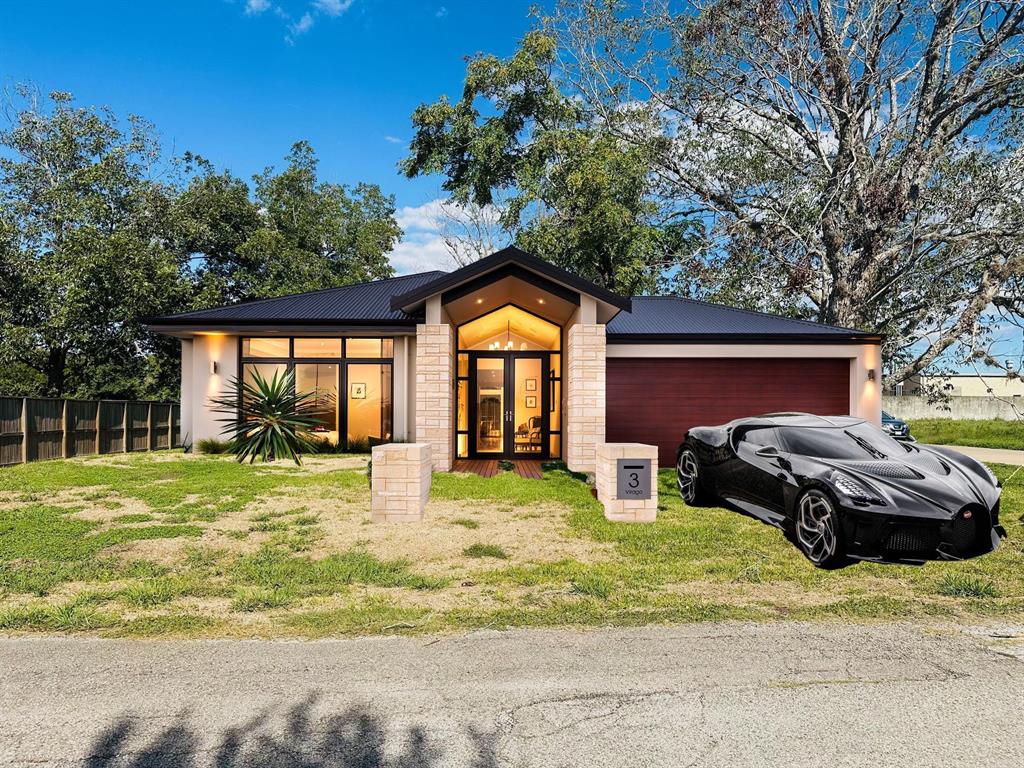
x,y
511,357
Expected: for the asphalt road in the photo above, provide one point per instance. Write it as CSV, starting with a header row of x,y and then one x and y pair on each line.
x,y
708,695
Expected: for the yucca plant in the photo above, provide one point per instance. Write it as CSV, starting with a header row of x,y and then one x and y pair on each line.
x,y
267,419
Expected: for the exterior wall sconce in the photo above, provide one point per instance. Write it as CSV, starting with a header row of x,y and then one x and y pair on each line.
x,y
871,374
213,366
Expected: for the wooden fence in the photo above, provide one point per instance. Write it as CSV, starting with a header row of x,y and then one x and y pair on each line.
x,y
38,428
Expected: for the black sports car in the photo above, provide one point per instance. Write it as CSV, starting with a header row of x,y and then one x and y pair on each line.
x,y
841,488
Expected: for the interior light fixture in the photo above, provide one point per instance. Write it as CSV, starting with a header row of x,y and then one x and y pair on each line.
x,y
479,301
540,301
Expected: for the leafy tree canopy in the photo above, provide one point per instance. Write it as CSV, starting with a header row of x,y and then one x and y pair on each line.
x,y
858,162
98,231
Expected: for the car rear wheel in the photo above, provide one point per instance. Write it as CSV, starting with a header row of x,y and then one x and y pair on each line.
x,y
688,478
819,533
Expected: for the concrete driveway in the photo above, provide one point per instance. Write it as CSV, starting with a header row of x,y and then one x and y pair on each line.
x,y
991,455
708,695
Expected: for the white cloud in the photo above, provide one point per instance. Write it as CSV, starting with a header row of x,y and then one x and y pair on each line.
x,y
256,7
441,12
394,140
420,252
303,25
332,7
425,218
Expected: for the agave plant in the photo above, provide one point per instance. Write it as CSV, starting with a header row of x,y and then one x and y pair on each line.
x,y
267,419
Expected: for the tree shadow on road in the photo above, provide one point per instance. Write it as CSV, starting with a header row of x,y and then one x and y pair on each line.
x,y
354,738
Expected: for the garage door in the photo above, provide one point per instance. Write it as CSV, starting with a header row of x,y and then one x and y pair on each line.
x,y
655,400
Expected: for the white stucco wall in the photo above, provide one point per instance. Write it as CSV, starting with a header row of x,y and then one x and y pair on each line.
x,y
206,349
865,395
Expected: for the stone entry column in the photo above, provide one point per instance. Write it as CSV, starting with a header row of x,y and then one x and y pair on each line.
x,y
585,401
435,376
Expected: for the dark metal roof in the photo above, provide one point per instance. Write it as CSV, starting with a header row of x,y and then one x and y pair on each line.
x,y
645,319
676,319
509,255
358,303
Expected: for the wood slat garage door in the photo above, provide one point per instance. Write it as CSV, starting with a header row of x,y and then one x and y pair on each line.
x,y
655,400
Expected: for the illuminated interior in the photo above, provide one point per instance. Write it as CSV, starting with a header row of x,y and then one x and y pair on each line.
x,y
369,404
509,329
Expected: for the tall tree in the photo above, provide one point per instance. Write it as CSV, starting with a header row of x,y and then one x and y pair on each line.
x,y
854,161
314,234
86,253
573,194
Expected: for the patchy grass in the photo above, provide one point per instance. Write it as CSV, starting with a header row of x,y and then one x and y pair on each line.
x,y
965,585
984,434
159,545
485,550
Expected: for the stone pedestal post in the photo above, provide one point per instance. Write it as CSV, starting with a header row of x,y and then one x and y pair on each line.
x,y
626,510
400,483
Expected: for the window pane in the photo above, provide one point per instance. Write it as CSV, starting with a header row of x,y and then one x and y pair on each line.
x,y
490,405
321,379
362,348
265,370
462,409
463,365
318,348
556,366
387,347
463,446
264,347
556,446
368,402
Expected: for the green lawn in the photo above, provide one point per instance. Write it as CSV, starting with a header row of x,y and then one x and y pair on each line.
x,y
167,545
984,434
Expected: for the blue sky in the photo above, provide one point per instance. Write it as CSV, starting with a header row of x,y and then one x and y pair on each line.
x,y
239,81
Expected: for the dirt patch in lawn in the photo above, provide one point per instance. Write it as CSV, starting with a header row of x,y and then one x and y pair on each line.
x,y
528,535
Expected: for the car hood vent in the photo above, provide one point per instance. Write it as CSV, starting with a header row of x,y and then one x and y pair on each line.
x,y
930,463
889,469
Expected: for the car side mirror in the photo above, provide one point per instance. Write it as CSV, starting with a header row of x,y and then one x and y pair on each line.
x,y
767,452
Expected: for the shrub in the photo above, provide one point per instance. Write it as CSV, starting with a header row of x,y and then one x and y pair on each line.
x,y
212,445
272,422
485,550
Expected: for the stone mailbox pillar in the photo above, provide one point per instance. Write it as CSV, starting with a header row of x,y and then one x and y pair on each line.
x,y
627,481
400,482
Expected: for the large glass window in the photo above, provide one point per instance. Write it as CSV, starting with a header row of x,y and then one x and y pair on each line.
x,y
265,347
321,381
368,406
318,348
364,413
510,329
363,348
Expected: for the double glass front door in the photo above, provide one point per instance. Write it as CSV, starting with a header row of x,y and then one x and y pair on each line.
x,y
509,405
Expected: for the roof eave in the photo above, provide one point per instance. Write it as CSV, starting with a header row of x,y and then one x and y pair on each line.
x,y
409,299
742,338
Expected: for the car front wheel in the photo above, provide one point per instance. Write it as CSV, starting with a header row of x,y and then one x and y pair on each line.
x,y
819,533
688,478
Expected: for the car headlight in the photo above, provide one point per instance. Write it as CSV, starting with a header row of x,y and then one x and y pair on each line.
x,y
854,489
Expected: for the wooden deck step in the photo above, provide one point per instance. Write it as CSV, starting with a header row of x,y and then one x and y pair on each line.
x,y
526,468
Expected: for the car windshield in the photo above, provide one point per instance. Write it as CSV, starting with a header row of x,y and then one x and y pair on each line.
x,y
859,441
